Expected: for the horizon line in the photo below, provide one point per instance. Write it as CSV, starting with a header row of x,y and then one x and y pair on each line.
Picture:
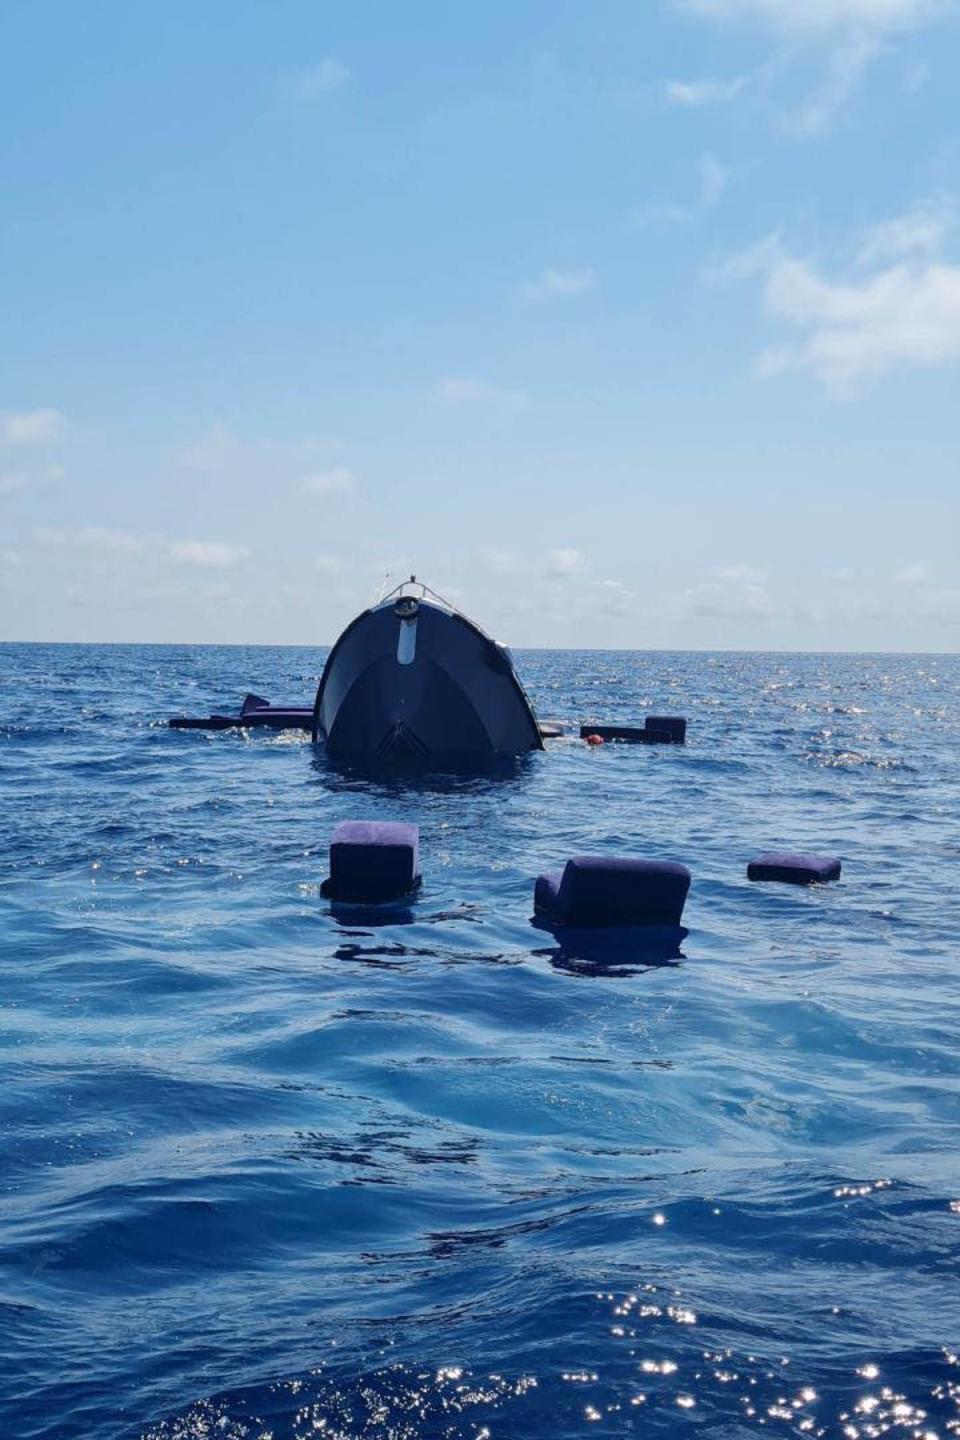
x,y
552,649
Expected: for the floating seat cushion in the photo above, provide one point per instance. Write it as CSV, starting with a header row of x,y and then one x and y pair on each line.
x,y
253,702
793,869
652,736
596,891
373,860
675,726
255,713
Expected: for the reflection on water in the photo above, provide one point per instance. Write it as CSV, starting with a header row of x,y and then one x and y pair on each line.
x,y
342,777
729,1393
614,951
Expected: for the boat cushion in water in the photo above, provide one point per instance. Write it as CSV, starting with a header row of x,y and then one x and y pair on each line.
x,y
675,725
600,890
794,869
373,860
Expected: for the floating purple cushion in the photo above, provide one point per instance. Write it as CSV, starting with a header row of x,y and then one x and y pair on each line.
x,y
793,869
373,860
675,725
545,892
255,713
253,702
598,890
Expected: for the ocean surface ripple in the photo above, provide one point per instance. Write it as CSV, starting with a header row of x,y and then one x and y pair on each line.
x,y
273,1171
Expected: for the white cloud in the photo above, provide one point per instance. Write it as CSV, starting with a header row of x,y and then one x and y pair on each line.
x,y
913,575
736,592
322,79
461,390
30,427
877,16
10,560
614,598
10,484
328,564
338,481
846,66
219,450
505,562
841,38
902,315
117,542
922,594
560,284
915,76
920,231
208,554
713,179
942,604
565,562
216,449
694,93
99,539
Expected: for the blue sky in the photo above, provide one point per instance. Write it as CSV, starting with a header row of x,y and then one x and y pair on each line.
x,y
623,324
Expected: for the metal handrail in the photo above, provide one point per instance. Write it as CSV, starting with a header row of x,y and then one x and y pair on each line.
x,y
423,588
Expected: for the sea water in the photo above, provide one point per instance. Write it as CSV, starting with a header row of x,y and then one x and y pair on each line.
x,y
271,1171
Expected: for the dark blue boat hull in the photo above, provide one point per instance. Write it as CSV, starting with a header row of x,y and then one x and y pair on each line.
x,y
410,683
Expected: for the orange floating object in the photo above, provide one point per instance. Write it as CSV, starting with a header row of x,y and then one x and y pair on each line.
x,y
594,739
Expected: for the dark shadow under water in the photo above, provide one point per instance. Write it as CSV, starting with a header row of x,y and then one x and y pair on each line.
x,y
345,777
612,951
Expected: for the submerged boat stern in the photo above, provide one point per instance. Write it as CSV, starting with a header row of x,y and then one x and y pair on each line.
x,y
411,682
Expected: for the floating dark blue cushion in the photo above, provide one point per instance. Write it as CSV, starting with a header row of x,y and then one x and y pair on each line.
x,y
253,702
373,860
546,892
651,736
675,726
793,869
598,890
255,713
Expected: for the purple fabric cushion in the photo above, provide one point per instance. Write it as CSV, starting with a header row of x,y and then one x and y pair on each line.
x,y
545,892
597,890
675,725
253,702
373,859
793,869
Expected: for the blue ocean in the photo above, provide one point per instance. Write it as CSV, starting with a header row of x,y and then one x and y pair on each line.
x,y
269,1171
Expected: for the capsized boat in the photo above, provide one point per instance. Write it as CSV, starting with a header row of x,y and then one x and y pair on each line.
x,y
412,681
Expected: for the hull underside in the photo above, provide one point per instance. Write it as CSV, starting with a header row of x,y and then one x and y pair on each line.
x,y
412,684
